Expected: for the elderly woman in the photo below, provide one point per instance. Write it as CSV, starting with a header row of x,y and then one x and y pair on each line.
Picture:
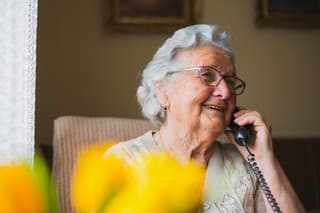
x,y
189,92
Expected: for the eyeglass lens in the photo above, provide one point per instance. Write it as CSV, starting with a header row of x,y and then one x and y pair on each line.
x,y
210,76
213,77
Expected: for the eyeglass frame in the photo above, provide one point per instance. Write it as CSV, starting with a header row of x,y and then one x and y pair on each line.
x,y
199,69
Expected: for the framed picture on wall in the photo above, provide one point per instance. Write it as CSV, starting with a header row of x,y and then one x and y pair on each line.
x,y
290,13
151,15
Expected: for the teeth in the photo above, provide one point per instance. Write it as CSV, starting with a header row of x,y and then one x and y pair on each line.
x,y
214,107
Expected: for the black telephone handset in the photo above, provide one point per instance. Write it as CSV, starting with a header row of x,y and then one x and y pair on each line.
x,y
241,133
242,136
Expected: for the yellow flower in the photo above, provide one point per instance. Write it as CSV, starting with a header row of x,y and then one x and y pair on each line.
x,y
157,183
162,185
19,191
25,189
97,180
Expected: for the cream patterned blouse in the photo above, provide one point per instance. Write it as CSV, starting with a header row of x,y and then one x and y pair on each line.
x,y
230,185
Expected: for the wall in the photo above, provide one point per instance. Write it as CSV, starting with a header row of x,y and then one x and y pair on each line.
x,y
84,71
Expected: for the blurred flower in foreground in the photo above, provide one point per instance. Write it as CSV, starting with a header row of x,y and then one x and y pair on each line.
x,y
27,190
96,180
157,184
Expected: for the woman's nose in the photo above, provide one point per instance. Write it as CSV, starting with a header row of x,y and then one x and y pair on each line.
x,y
222,90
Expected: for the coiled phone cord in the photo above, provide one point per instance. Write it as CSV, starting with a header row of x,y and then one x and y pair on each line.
x,y
265,188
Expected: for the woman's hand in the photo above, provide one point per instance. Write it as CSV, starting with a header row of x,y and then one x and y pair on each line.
x,y
261,141
261,147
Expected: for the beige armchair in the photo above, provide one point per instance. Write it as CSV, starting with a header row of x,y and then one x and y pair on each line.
x,y
72,133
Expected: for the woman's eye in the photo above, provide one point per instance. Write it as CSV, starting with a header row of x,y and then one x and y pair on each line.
x,y
208,76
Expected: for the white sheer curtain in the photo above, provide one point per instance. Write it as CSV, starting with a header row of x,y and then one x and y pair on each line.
x,y
18,24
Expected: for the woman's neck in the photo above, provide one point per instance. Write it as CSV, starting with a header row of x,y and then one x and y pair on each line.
x,y
183,146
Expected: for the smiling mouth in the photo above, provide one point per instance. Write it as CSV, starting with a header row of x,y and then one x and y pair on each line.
x,y
214,107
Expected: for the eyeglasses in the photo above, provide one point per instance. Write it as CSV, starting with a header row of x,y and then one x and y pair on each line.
x,y
212,77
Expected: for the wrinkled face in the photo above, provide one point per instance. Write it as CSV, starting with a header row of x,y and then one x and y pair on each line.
x,y
194,105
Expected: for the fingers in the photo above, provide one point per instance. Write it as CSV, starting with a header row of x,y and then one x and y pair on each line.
x,y
241,111
246,116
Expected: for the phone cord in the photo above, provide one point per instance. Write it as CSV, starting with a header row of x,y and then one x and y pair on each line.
x,y
265,188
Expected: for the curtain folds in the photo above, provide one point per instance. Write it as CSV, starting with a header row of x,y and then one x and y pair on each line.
x,y
18,28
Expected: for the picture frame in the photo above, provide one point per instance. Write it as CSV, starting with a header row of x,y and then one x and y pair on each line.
x,y
289,13
151,15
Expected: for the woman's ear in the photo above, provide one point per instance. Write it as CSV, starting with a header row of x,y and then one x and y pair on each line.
x,y
161,94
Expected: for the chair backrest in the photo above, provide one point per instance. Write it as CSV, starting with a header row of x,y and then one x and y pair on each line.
x,y
73,133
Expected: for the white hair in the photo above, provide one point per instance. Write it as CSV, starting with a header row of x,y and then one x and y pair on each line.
x,y
163,61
